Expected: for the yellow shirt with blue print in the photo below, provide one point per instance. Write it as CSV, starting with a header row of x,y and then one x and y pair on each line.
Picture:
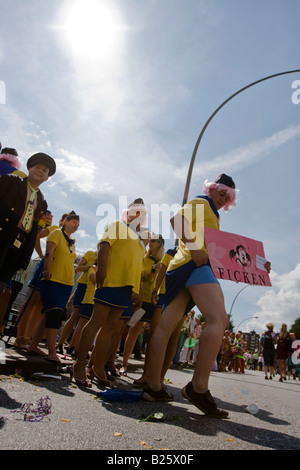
x,y
90,287
199,214
62,267
90,256
125,257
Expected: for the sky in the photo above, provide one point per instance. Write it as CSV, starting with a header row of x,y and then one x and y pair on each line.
x,y
117,92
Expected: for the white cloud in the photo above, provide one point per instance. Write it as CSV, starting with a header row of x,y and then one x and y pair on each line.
x,y
82,234
281,303
250,153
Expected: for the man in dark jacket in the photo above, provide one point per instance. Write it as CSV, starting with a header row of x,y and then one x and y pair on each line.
x,y
21,207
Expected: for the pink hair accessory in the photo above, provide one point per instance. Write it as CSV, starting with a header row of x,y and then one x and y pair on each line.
x,y
132,210
13,159
231,193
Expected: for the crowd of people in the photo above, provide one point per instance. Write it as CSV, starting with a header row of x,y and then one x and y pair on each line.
x,y
274,356
129,280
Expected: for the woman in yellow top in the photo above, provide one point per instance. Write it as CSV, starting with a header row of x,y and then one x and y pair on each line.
x,y
191,277
119,267
30,310
57,282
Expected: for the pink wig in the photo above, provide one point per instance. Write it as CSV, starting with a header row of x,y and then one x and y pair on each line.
x,y
14,160
133,209
231,193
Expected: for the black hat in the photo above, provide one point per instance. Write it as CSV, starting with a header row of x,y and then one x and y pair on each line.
x,y
225,179
138,201
71,216
10,150
44,159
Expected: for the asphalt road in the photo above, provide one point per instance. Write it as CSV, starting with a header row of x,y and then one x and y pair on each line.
x,y
78,420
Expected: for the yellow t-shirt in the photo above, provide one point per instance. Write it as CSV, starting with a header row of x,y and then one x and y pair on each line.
x,y
167,258
51,229
147,286
125,258
90,288
62,266
199,214
90,257
19,173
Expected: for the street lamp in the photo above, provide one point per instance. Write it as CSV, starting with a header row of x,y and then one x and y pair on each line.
x,y
236,297
248,318
189,176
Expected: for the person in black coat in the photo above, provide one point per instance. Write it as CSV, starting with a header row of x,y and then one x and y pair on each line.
x,y
22,205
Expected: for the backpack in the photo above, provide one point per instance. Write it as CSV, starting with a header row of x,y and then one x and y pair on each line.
x,y
267,340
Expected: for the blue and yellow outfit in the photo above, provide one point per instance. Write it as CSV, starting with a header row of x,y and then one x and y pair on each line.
x,y
90,256
7,168
167,258
124,265
56,291
182,272
147,286
87,303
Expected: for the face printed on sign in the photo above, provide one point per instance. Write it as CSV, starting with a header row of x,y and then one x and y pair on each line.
x,y
240,255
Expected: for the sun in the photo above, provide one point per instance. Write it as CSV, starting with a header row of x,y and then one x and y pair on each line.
x,y
91,28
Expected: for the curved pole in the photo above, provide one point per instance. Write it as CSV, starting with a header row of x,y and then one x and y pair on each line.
x,y
237,296
248,318
188,181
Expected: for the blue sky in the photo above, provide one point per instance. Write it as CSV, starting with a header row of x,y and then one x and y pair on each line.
x,y
118,92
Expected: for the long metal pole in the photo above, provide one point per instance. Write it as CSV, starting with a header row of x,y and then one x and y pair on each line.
x,y
189,176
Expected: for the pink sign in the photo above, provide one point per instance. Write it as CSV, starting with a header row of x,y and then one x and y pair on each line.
x,y
236,258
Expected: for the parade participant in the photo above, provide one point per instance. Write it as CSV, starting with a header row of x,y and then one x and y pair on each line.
x,y
185,332
151,266
31,309
238,351
225,352
21,207
56,284
190,277
118,278
284,347
267,345
119,330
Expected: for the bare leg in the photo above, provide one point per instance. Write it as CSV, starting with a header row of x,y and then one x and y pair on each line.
x,y
51,335
69,325
105,341
171,349
88,335
153,325
37,336
210,301
170,317
77,333
30,315
130,342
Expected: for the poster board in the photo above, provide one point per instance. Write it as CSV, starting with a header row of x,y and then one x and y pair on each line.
x,y
236,258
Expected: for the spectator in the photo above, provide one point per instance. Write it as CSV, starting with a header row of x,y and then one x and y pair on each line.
x,y
284,344
267,344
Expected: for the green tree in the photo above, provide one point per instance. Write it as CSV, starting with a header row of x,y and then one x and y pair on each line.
x,y
295,328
